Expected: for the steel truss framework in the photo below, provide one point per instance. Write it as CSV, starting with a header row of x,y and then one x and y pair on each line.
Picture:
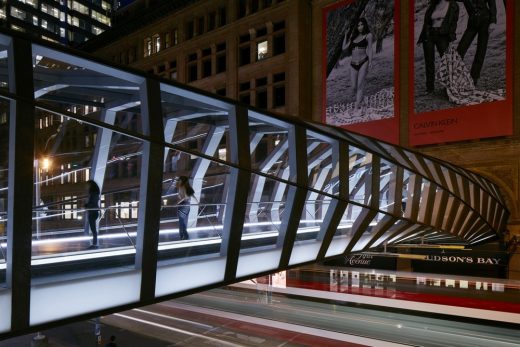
x,y
273,191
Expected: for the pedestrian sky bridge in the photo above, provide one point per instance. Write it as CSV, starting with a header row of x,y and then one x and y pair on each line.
x,y
271,192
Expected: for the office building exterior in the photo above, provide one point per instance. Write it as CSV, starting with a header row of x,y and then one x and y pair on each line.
x,y
68,22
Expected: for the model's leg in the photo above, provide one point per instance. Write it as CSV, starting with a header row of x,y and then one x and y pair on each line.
x,y
480,55
353,83
429,62
442,44
466,39
362,74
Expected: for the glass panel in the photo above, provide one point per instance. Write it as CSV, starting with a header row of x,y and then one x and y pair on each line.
x,y
370,233
417,164
323,169
344,232
264,215
265,211
269,146
194,123
424,208
64,160
407,193
4,171
360,171
202,215
432,167
77,86
4,78
307,244
387,186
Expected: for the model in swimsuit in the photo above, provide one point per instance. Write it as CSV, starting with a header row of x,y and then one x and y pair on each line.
x,y
360,48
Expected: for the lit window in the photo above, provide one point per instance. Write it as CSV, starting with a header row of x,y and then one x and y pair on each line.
x,y
44,24
147,47
35,20
17,13
222,153
156,43
175,37
261,50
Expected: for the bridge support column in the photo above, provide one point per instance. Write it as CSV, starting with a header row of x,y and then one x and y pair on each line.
x,y
40,340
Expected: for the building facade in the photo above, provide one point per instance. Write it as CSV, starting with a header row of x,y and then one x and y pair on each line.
x,y
68,22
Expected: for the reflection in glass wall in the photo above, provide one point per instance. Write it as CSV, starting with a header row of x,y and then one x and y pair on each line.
x,y
203,215
360,172
72,85
269,146
65,159
264,213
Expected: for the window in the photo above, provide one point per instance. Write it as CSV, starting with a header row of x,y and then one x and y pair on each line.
x,y
147,47
221,57
261,98
262,50
16,13
206,67
190,29
192,72
279,44
221,62
175,37
222,16
212,20
244,55
200,25
167,40
242,9
156,43
279,96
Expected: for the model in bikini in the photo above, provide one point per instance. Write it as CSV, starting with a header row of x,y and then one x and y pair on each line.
x,y
360,48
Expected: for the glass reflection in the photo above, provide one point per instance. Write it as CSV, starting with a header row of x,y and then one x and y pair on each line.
x,y
387,186
264,213
269,146
207,209
74,85
323,169
66,157
360,171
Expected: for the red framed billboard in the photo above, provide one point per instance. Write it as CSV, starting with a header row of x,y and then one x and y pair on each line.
x,y
360,67
461,73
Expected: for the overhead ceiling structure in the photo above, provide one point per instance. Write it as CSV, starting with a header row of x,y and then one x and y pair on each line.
x,y
271,192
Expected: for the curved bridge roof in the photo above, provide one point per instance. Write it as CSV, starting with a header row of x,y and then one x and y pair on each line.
x,y
271,192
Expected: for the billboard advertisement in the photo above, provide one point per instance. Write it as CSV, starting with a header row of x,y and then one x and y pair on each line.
x,y
360,67
460,70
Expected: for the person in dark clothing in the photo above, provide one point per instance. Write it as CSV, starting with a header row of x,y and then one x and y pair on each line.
x,y
439,29
93,212
185,192
482,18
